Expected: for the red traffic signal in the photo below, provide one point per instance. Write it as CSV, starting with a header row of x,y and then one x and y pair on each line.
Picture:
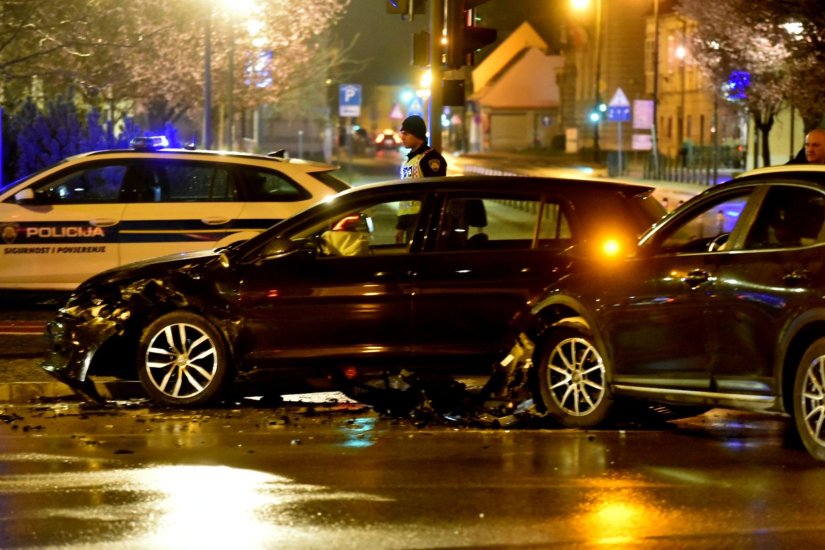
x,y
463,36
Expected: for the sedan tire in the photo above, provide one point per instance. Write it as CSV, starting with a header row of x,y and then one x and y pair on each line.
x,y
572,378
809,399
182,360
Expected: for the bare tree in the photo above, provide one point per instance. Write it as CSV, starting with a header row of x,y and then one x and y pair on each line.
x,y
152,52
779,43
741,37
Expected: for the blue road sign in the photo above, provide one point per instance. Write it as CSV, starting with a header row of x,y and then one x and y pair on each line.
x,y
349,100
618,114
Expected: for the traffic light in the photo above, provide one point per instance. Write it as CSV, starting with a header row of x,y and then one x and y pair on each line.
x,y
597,113
406,8
421,49
463,36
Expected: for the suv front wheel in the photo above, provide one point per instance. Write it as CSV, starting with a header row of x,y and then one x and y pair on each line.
x,y
809,399
573,378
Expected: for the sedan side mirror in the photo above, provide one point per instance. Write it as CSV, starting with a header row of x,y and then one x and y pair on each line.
x,y
279,247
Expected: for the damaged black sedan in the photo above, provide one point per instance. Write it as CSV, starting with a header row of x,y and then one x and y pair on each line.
x,y
423,275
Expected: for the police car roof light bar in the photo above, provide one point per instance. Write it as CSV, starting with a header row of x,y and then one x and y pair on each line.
x,y
149,143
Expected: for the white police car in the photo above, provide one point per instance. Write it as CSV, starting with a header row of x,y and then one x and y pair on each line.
x,y
102,209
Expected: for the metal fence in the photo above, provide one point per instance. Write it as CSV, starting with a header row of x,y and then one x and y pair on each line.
x,y
701,165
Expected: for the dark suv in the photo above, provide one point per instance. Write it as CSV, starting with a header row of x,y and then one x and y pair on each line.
x,y
722,304
341,288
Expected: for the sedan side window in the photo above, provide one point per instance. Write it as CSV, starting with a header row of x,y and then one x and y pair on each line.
x,y
368,230
789,217
498,223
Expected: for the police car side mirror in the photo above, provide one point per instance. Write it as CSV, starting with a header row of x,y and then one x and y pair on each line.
x,y
25,196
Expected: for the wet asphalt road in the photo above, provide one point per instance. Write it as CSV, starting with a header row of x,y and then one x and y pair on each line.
x,y
325,476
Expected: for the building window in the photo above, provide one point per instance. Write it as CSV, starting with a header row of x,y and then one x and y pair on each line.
x,y
689,128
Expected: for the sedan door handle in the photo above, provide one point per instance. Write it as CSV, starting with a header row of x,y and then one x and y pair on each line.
x,y
214,220
800,277
696,277
103,222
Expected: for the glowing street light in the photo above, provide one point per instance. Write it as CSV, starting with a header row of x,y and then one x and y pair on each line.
x,y
235,8
595,116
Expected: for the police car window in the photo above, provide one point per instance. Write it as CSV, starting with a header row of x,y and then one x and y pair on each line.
x,y
472,223
97,184
266,186
198,183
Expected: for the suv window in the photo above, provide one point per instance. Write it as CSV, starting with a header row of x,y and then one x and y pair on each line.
x,y
789,217
708,228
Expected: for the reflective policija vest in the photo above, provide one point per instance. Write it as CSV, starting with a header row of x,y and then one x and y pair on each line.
x,y
411,168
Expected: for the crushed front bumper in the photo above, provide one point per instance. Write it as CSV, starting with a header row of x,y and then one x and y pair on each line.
x,y
71,344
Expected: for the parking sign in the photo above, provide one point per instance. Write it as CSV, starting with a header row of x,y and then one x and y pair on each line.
x,y
349,100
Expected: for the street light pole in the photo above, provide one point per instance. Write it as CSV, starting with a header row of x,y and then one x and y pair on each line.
x,y
207,81
230,90
436,93
598,94
654,128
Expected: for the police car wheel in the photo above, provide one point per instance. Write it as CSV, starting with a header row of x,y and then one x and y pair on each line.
x,y
182,360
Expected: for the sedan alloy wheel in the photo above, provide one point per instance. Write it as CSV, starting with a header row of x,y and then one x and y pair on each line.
x,y
183,361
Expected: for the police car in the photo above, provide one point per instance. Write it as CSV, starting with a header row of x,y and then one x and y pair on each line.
x,y
102,209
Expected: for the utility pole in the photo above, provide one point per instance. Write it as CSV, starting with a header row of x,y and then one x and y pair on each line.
x,y
436,102
597,151
655,123
207,81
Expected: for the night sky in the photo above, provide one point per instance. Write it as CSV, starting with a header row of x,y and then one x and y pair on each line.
x,y
385,40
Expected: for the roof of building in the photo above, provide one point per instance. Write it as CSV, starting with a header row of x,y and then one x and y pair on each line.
x,y
518,74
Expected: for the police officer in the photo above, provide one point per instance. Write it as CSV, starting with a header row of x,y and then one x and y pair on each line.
x,y
422,161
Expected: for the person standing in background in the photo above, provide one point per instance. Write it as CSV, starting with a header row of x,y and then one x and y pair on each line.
x,y
815,146
813,152
422,162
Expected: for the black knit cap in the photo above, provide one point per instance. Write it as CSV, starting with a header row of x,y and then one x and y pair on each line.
x,y
416,126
